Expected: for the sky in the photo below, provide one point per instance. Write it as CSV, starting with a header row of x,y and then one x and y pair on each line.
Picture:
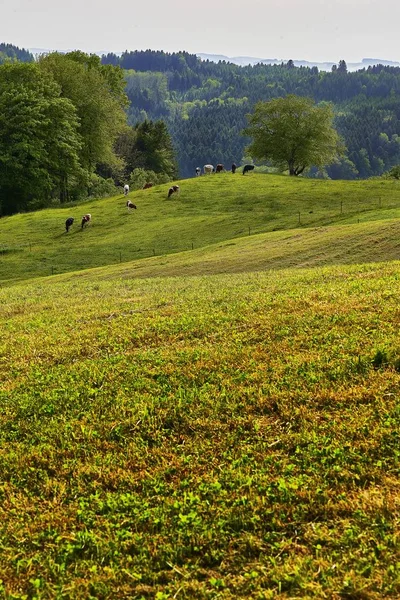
x,y
298,29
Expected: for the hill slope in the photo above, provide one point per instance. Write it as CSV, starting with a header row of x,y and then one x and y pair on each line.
x,y
211,210
201,437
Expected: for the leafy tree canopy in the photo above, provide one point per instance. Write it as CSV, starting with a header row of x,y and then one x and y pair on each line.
x,y
39,140
97,92
148,146
293,133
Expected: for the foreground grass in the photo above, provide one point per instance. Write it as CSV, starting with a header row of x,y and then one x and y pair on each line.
x,y
209,210
202,437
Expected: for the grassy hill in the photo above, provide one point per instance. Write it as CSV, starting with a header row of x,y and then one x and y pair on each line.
x,y
228,436
206,424
209,210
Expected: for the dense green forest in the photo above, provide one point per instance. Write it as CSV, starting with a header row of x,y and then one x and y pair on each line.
x,y
64,133
205,104
10,53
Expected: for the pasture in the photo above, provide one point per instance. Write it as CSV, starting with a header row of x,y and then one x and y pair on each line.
x,y
201,437
206,424
208,210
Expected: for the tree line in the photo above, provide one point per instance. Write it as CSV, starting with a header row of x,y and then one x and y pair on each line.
x,y
205,104
64,133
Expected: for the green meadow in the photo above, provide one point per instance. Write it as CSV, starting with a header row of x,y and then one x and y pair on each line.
x,y
209,210
210,423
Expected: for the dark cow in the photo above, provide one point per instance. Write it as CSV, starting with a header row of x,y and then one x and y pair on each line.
x,y
174,189
219,168
68,223
234,167
247,168
86,220
130,205
148,185
198,171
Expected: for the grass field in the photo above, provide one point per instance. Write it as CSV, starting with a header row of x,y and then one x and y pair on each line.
x,y
207,424
209,210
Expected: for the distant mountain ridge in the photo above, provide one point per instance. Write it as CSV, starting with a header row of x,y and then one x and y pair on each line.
x,y
322,66
252,60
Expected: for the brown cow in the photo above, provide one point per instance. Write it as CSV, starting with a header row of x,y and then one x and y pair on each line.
x,y
148,185
86,220
219,168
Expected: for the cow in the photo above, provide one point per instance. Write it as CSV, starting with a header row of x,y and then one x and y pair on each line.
x,y
130,205
247,168
174,189
219,168
234,167
126,189
208,169
86,220
198,171
68,223
148,185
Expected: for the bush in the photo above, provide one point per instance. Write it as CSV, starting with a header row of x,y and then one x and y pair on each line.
x,y
140,176
394,173
101,188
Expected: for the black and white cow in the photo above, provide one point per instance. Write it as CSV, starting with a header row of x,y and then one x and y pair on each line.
x,y
174,189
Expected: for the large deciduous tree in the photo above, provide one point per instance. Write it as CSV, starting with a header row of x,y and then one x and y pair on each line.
x,y
293,133
39,140
97,92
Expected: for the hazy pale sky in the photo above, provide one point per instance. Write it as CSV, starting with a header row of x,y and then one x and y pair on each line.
x,y
283,29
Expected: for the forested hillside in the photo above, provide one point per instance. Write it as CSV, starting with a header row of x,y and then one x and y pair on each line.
x,y
205,104
10,53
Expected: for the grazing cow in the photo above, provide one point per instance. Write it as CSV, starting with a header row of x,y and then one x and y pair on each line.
x,y
126,189
174,189
247,168
198,171
148,185
130,205
68,223
219,169
86,220
208,169
234,167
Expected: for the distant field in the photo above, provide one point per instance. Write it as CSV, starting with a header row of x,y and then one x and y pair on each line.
x,y
209,210
230,436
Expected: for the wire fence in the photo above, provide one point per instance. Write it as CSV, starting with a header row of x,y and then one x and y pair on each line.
x,y
45,263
